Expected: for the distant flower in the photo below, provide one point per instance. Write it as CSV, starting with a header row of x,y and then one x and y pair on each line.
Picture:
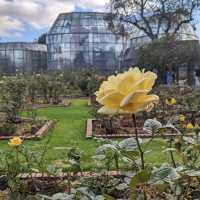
x,y
127,92
181,118
170,101
190,126
15,142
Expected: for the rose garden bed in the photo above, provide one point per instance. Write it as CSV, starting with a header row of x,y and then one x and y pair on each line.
x,y
118,128
42,187
25,128
46,184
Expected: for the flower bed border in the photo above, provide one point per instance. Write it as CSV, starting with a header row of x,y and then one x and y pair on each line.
x,y
142,134
63,175
38,135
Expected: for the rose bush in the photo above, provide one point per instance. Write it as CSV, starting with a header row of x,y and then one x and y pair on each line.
x,y
127,92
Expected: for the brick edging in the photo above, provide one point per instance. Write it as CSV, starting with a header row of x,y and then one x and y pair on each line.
x,y
89,129
64,175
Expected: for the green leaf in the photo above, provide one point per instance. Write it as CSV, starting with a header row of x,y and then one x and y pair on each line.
x,y
62,196
35,170
152,126
193,173
141,177
189,140
161,186
162,173
131,154
108,197
128,144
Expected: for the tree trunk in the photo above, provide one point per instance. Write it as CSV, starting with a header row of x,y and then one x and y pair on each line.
x,y
190,73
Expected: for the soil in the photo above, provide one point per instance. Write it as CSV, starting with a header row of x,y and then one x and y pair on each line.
x,y
117,125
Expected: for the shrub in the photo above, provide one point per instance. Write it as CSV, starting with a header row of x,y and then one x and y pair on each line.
x,y
7,129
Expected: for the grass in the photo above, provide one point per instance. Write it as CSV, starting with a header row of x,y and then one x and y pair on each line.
x,y
70,131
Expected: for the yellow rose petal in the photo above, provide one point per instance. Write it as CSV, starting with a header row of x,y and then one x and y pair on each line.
x,y
141,102
129,79
107,111
130,97
112,100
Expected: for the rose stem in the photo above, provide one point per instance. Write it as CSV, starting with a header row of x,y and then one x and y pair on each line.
x,y
137,140
171,153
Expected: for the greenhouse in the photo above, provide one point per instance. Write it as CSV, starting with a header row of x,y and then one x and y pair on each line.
x,y
101,106
22,57
83,39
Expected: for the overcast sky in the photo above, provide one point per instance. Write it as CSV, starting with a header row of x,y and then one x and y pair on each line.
x,y
25,20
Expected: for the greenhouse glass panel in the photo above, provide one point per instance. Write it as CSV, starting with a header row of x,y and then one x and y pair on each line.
x,y
20,57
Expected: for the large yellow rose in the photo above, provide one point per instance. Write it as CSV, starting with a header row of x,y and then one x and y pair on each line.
x,y
15,142
127,92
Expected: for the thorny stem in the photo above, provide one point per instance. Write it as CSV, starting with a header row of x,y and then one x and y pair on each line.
x,y
17,155
171,154
138,142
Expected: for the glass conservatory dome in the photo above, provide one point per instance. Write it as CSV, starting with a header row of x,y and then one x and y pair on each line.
x,y
84,40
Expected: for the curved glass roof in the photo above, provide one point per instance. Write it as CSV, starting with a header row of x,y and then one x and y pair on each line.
x,y
80,22
84,40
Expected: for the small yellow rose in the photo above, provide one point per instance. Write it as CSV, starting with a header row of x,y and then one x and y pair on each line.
x,y
170,101
189,126
15,142
127,92
181,118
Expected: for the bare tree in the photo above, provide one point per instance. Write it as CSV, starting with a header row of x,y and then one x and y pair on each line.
x,y
152,17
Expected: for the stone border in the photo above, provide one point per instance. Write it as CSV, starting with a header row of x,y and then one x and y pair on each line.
x,y
142,133
63,175
89,131
38,135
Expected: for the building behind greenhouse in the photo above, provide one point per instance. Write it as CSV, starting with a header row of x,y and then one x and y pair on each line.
x,y
84,40
20,57
138,39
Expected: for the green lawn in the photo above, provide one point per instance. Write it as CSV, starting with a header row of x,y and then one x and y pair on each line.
x,y
70,131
